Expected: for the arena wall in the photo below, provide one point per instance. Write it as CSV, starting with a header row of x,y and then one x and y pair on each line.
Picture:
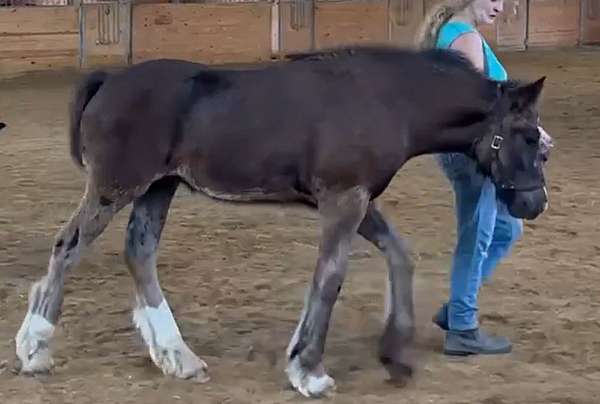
x,y
590,22
405,17
553,23
351,22
211,33
38,38
51,34
105,34
295,19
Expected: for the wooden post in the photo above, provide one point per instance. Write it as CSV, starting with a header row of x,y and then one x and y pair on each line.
x,y
105,33
589,27
275,28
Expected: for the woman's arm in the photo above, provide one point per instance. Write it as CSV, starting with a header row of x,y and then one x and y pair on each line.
x,y
471,46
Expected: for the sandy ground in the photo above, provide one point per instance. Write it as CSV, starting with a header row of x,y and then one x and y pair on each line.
x,y
235,275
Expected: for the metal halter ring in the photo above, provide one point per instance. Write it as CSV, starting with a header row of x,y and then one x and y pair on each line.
x,y
496,142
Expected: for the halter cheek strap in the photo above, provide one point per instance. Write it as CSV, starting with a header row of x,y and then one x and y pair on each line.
x,y
502,183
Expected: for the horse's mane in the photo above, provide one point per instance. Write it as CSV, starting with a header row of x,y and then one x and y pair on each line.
x,y
442,57
332,53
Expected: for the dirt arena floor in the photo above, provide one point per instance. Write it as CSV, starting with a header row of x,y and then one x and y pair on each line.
x,y
247,268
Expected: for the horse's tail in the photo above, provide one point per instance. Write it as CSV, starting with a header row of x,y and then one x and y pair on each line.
x,y
84,92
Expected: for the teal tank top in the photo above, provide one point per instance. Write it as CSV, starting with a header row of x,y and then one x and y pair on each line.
x,y
453,29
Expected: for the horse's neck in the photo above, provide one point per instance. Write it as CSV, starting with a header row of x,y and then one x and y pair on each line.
x,y
453,119
454,127
456,139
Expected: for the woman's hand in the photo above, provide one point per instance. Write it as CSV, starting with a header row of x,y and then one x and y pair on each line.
x,y
546,143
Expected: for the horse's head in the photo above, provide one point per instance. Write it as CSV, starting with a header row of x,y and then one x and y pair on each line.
x,y
510,151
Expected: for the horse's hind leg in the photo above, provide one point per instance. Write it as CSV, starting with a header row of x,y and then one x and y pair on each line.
x,y
46,296
152,316
398,337
341,214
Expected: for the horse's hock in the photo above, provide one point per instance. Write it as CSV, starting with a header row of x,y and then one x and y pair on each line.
x,y
57,34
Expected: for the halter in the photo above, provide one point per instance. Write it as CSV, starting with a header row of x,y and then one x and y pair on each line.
x,y
496,146
504,184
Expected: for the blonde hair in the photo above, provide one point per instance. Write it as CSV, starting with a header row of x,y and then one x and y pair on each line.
x,y
437,16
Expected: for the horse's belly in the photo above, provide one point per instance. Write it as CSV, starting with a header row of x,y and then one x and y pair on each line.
x,y
275,190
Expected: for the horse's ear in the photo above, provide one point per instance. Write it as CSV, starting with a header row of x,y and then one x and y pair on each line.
x,y
526,96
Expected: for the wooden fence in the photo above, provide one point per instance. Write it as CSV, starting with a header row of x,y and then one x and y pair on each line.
x,y
49,34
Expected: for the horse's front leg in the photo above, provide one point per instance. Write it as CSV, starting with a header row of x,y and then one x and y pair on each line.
x,y
341,213
396,344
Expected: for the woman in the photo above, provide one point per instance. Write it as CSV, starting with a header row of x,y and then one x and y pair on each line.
x,y
486,231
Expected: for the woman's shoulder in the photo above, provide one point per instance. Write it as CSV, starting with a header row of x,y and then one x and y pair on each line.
x,y
459,27
452,30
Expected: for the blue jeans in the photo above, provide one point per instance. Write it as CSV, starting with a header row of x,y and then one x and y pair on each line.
x,y
486,233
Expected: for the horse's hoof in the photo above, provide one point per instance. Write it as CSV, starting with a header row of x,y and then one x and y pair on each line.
x,y
315,383
36,360
401,372
179,361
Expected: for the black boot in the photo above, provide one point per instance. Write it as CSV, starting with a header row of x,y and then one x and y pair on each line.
x,y
474,342
470,342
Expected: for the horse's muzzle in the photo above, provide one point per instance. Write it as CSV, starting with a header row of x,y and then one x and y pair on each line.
x,y
525,204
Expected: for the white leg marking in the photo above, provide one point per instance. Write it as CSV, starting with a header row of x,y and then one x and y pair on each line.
x,y
315,383
296,335
167,348
32,344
